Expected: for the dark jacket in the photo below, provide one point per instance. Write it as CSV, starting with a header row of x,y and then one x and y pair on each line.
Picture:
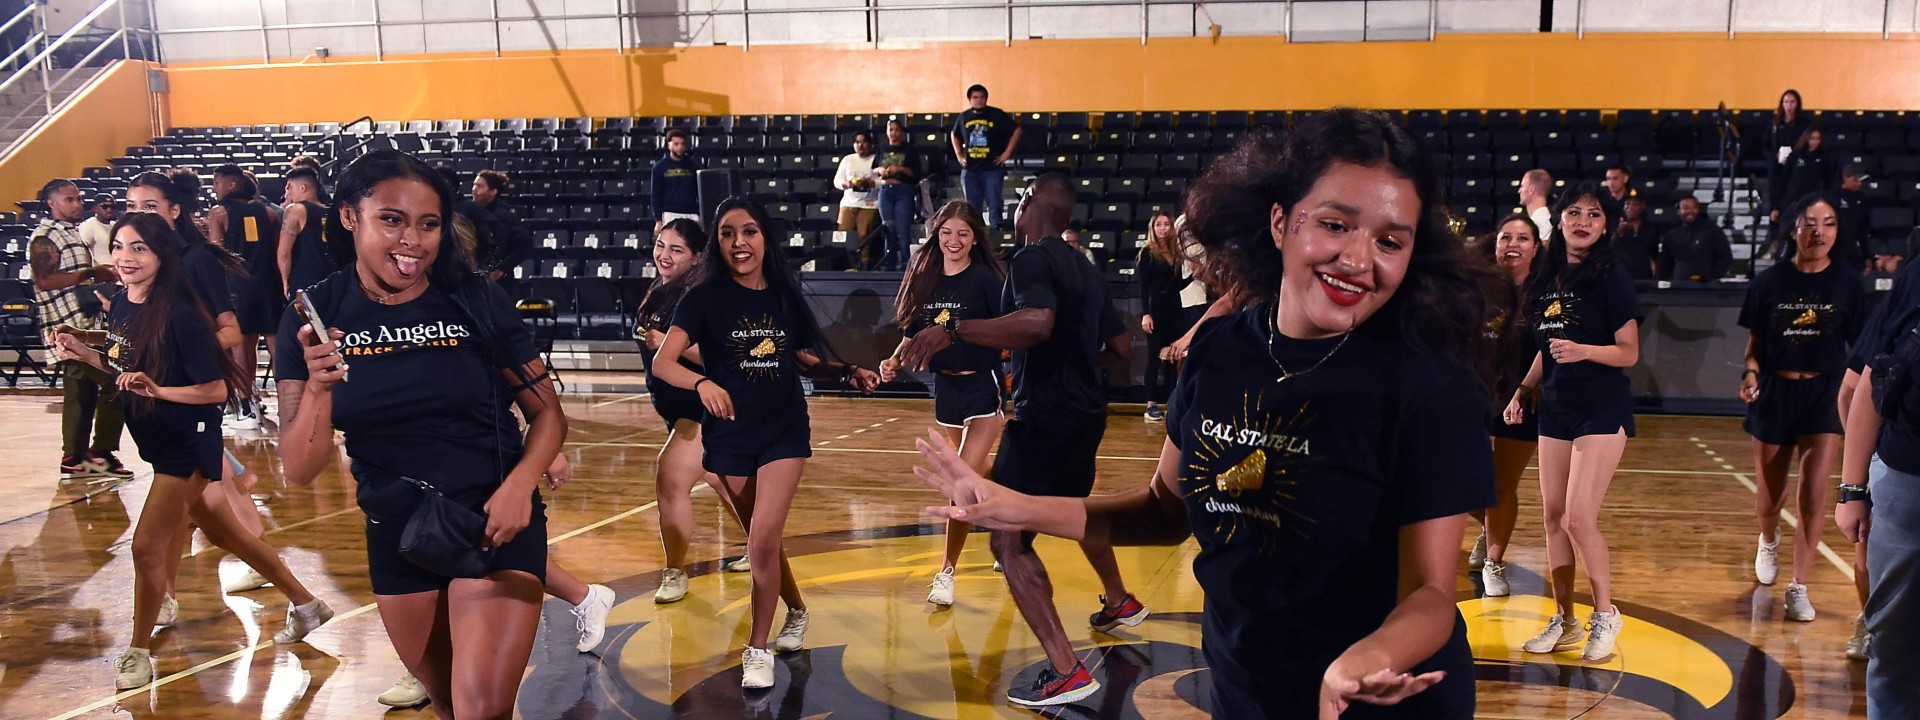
x,y
1805,173
675,189
1160,285
1697,252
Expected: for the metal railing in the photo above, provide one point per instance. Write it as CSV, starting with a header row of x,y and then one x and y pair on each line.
x,y
52,64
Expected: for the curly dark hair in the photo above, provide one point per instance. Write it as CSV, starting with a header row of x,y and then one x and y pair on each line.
x,y
1440,306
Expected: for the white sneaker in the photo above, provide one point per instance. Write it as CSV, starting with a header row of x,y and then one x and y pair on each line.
x,y
793,634
673,586
169,613
303,619
1766,560
135,669
756,669
942,592
246,422
1858,645
996,566
590,616
1478,558
739,565
1560,632
406,692
249,580
1494,576
1603,628
1799,608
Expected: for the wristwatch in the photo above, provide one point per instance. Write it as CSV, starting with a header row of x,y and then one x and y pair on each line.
x,y
1851,493
953,329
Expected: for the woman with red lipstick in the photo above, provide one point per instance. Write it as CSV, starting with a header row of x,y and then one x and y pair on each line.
x,y
757,335
1324,445
438,359
955,277
1801,316
173,378
1586,325
1511,249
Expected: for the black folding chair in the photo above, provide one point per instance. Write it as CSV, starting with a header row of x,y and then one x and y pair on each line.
x,y
543,322
20,334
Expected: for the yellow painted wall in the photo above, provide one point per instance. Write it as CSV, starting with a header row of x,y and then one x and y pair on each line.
x,y
113,113
1657,70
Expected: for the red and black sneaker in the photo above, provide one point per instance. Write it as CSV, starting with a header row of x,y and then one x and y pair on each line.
x,y
1129,613
76,466
104,463
1052,688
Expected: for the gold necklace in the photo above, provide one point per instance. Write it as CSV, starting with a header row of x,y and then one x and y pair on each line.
x,y
1285,375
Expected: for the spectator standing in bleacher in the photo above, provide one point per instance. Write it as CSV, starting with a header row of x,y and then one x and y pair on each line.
x,y
901,168
1634,242
1807,171
501,242
96,231
860,199
63,268
983,139
1696,250
1851,207
675,192
1535,188
1790,122
1162,271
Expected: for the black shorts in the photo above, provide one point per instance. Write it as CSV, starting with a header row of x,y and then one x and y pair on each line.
x,y
389,503
737,458
960,398
674,404
258,305
178,440
1792,409
1050,455
1527,431
1594,406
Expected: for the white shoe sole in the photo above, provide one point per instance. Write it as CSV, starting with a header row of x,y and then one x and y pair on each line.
x,y
1061,699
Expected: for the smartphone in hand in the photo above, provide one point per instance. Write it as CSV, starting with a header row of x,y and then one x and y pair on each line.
x,y
320,334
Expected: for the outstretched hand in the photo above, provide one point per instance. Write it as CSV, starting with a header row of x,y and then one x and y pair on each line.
x,y
1347,681
976,500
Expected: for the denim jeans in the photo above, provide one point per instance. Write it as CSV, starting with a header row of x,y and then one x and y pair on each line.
x,y
983,192
1893,598
896,214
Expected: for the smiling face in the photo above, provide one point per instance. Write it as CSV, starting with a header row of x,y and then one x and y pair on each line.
x,y
671,255
1583,223
1815,232
1689,210
133,259
1346,246
396,233
1162,226
956,240
1516,245
141,198
745,247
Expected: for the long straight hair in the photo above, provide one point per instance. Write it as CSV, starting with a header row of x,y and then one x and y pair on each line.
x,y
182,188
925,271
773,265
148,339
1551,270
667,294
1166,248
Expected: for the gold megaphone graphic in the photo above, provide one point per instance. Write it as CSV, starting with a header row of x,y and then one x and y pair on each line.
x,y
1807,317
1250,474
945,315
764,349
1553,310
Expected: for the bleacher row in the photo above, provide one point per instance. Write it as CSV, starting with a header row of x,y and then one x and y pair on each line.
x,y
582,183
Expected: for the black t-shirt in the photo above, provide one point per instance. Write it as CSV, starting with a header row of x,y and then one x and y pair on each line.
x,y
1061,373
973,294
423,398
1805,320
254,235
192,352
659,318
747,339
1633,249
1509,342
983,135
903,156
1296,493
208,277
1587,312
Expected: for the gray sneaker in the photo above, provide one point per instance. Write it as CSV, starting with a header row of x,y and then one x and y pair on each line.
x,y
1560,632
303,619
1494,576
1799,608
1861,642
1603,628
1478,558
793,634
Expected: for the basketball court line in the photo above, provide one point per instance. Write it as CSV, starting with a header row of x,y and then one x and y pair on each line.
x,y
341,617
1846,568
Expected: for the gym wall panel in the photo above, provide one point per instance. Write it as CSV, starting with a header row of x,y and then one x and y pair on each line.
x,y
114,112
1514,70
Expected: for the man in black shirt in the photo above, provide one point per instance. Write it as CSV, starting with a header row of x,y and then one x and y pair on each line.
x,y
901,169
500,243
675,192
1055,331
983,139
1634,241
1696,250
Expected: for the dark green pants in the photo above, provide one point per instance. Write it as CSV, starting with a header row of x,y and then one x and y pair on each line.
x,y
91,404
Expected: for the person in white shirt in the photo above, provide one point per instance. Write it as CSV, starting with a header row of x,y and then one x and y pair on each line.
x,y
860,205
96,231
1535,187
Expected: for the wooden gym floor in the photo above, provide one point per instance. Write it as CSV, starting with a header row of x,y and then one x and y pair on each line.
x,y
1702,640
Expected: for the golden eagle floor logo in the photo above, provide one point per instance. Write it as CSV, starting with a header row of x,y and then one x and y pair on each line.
x,y
876,649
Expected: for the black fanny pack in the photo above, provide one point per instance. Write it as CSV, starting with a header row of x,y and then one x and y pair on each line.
x,y
443,536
